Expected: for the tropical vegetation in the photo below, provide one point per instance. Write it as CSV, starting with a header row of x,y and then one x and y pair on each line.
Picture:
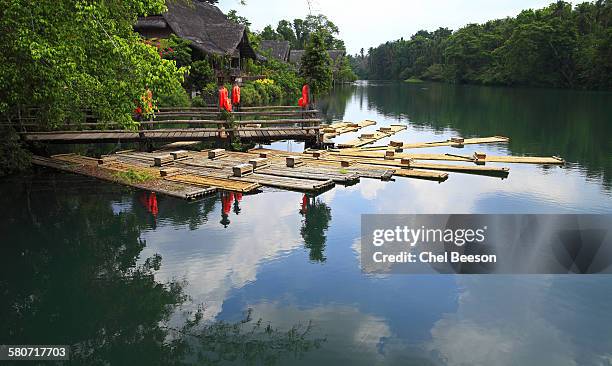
x,y
560,45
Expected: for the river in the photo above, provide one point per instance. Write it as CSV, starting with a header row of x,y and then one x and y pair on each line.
x,y
96,266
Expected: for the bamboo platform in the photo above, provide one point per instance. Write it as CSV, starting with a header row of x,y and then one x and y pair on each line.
x,y
456,142
162,187
277,167
339,128
463,158
192,174
227,184
467,169
366,139
293,184
361,168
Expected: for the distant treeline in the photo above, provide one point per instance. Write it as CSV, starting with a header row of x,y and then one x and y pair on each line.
x,y
557,46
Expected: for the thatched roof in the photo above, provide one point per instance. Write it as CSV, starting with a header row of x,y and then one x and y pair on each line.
x,y
277,49
336,54
204,25
295,56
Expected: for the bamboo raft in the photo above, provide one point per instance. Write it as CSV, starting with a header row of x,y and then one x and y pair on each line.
x,y
554,160
87,168
192,174
453,142
340,128
369,138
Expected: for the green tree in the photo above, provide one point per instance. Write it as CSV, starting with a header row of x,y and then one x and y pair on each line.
x,y
269,33
344,71
64,57
177,49
234,17
285,31
557,46
316,66
321,24
298,33
201,73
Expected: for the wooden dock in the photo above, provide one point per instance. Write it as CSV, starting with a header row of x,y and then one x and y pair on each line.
x,y
255,134
260,125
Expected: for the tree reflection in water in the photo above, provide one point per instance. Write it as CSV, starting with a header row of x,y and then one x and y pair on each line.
x,y
316,222
71,274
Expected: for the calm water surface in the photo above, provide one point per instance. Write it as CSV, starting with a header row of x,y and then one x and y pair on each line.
x,y
100,267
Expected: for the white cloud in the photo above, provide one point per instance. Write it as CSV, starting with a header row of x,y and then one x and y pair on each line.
x,y
215,263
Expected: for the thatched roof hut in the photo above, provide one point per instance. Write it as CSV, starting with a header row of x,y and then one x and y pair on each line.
x,y
203,24
276,49
336,55
295,56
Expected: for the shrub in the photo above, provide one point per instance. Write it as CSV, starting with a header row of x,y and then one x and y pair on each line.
x,y
200,75
175,48
435,72
208,95
250,96
284,76
175,97
134,176
263,92
13,156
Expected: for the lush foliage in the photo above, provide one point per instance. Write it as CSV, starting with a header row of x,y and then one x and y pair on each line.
x,y
285,76
201,73
343,72
175,96
316,66
175,48
260,93
299,31
134,176
87,59
13,156
558,46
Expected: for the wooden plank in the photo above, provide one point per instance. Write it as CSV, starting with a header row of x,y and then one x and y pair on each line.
x,y
339,128
469,141
288,183
470,169
221,183
365,140
412,173
450,157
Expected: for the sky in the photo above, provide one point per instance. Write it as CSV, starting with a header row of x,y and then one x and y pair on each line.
x,y
367,23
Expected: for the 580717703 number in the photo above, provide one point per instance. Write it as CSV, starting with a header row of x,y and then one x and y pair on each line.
x,y
36,352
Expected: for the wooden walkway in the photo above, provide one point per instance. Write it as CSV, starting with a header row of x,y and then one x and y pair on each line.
x,y
254,124
256,134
